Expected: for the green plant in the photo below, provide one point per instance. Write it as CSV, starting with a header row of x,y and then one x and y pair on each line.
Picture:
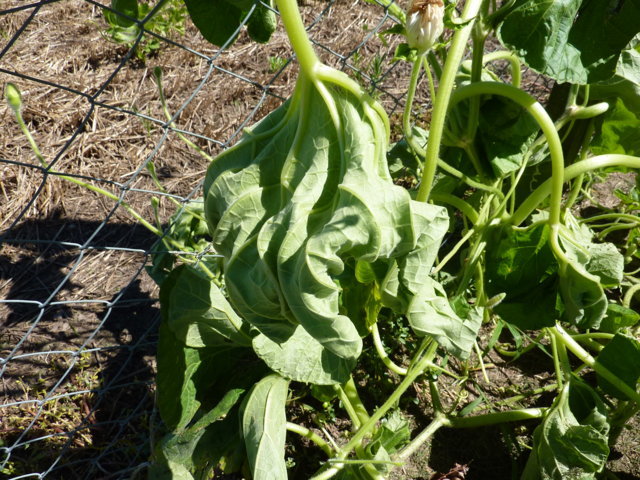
x,y
323,262
128,19
276,63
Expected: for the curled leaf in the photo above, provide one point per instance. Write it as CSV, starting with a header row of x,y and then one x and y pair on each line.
x,y
304,192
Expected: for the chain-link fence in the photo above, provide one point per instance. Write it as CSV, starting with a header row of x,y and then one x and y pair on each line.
x,y
78,313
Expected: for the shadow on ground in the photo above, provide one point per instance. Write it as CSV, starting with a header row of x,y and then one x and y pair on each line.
x,y
85,335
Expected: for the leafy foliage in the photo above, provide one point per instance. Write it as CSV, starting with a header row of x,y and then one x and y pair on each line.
x,y
571,442
128,18
572,41
314,242
220,21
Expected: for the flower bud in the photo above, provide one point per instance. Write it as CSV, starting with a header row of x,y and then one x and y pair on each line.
x,y
425,23
12,94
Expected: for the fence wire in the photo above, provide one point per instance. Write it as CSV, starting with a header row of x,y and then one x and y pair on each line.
x,y
78,313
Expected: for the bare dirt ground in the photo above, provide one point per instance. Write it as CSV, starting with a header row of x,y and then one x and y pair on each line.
x,y
79,314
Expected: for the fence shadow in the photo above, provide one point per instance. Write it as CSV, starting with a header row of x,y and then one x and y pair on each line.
x,y
92,345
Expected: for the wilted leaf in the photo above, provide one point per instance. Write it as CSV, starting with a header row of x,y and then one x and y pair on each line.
x,y
572,440
298,199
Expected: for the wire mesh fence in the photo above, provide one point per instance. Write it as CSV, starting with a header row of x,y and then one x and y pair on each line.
x,y
78,313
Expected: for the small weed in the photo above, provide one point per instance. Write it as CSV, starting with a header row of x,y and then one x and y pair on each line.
x,y
276,63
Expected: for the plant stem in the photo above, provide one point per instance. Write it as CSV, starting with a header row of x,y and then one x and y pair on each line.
x,y
611,216
298,38
411,91
377,343
514,63
413,373
629,294
441,264
585,357
351,392
81,183
440,420
557,363
458,203
547,126
310,435
571,172
530,393
441,102
496,418
478,38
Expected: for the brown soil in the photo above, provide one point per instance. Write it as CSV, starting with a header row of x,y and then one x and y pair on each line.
x,y
79,315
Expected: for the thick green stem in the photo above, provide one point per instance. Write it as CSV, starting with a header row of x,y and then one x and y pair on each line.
x,y
414,372
440,420
547,126
297,34
514,63
571,172
348,394
441,102
310,435
377,342
351,391
496,418
629,294
586,358
458,203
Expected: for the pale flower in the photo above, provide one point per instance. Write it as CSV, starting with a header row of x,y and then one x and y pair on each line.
x,y
424,23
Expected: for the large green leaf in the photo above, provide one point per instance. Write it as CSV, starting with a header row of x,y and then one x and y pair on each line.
x,y
198,392
618,317
572,441
302,358
177,365
304,193
218,20
587,269
624,86
192,378
430,313
264,428
197,312
618,132
575,41
198,448
521,265
129,11
622,358
505,132
585,303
